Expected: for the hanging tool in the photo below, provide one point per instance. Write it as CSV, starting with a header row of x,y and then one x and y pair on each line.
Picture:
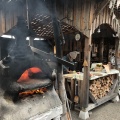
x,y
76,98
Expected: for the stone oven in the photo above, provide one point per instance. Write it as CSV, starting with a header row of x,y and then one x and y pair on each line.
x,y
26,83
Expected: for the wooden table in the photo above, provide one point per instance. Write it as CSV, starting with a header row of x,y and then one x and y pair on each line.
x,y
72,78
70,81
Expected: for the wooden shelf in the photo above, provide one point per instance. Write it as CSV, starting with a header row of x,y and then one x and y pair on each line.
x,y
101,101
112,72
111,94
111,90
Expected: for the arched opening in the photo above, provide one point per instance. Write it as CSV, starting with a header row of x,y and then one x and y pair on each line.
x,y
103,44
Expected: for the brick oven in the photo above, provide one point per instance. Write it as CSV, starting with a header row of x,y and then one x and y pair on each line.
x,y
26,83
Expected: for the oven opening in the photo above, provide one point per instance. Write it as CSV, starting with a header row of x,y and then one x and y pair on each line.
x,y
28,74
26,78
32,92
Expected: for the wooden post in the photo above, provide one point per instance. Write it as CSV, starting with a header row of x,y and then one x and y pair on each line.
x,y
31,41
0,49
72,92
101,49
116,52
108,47
27,13
84,90
61,86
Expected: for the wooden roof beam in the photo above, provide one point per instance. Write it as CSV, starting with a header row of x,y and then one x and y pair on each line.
x,y
100,8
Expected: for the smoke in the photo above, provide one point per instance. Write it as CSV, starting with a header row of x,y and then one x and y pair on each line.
x,y
13,5
19,47
39,7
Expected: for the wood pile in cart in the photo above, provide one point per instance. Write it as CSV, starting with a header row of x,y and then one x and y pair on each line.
x,y
100,87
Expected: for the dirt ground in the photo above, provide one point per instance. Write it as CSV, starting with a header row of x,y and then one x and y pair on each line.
x,y
107,111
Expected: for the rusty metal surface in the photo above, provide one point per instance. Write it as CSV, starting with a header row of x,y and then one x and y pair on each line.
x,y
28,107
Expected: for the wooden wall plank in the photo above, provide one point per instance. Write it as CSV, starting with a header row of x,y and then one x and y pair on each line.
x,y
87,17
70,11
8,20
3,22
65,9
100,8
74,13
85,10
91,13
107,16
101,18
104,16
78,14
97,22
82,17
71,44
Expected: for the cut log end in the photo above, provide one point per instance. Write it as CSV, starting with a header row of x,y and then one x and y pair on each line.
x,y
101,87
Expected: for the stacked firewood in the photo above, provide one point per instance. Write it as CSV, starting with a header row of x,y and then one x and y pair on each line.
x,y
101,87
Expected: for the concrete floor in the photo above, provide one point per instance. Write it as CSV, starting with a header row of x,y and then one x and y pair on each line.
x,y
107,111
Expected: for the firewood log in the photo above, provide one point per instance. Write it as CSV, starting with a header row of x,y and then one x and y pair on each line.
x,y
100,87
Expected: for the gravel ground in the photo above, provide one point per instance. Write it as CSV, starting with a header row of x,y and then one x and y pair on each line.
x,y
107,111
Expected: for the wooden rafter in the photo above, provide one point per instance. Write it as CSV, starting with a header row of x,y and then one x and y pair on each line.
x,y
100,8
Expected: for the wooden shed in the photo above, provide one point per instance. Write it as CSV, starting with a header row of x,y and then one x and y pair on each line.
x,y
95,21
